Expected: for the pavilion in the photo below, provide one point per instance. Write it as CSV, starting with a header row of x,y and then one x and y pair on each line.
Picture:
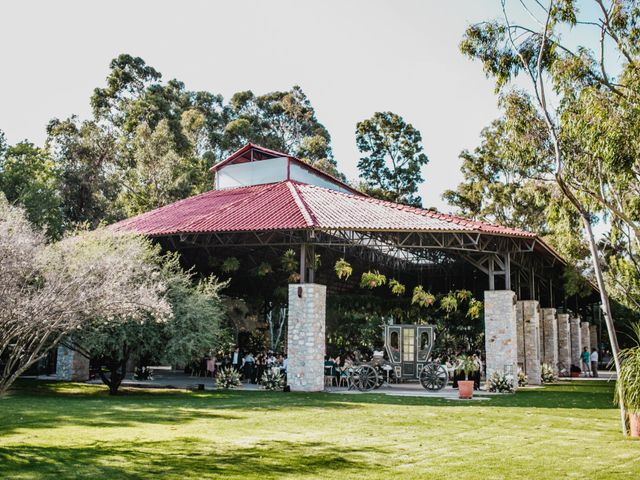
x,y
265,202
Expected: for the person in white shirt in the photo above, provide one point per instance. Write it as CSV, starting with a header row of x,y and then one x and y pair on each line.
x,y
594,363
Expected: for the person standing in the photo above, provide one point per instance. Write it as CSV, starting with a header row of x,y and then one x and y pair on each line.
x,y
236,359
594,362
586,361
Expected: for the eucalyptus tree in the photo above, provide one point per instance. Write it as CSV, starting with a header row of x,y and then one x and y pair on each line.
x,y
392,158
588,101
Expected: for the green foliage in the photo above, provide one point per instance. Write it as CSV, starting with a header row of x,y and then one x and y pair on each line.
x,y
29,178
396,287
422,298
465,364
546,373
272,380
523,380
289,261
391,167
230,265
264,269
475,309
372,280
628,392
228,378
343,269
500,382
449,303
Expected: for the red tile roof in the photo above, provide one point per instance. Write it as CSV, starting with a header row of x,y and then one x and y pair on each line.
x,y
290,206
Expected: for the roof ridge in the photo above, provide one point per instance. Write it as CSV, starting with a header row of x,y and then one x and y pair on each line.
x,y
302,206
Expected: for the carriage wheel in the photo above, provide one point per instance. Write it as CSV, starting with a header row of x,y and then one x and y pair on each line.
x,y
367,378
434,377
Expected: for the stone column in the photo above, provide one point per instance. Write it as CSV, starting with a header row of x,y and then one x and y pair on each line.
x,y
585,336
576,341
564,343
531,340
520,335
71,366
593,336
550,327
306,337
501,344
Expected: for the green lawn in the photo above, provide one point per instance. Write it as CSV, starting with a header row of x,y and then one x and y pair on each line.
x,y
76,431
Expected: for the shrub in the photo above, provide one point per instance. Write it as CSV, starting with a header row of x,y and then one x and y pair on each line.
x,y
228,378
523,380
272,380
500,383
546,373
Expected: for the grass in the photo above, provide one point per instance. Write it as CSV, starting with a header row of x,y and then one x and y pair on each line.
x,y
66,431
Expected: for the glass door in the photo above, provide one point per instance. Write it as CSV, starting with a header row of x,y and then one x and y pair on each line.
x,y
408,351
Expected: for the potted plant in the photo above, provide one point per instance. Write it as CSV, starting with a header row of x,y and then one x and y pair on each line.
x,y
465,364
289,261
422,298
230,265
372,279
264,269
628,383
343,269
396,287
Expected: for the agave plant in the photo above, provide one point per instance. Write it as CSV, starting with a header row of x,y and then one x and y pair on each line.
x,y
422,298
396,287
289,261
343,269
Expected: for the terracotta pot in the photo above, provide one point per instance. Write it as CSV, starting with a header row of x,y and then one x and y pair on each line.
x,y
465,388
634,424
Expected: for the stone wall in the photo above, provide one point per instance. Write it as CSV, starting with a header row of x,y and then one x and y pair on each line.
x,y
71,366
585,335
593,336
576,340
501,342
564,343
550,329
531,319
306,337
520,334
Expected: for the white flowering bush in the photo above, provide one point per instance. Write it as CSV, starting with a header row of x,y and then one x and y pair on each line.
x,y
546,373
272,380
523,380
500,383
228,378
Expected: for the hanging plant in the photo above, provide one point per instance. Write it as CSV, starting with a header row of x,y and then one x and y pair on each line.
x,y
396,287
316,262
230,265
475,309
372,279
294,277
449,303
343,269
289,261
264,269
463,295
422,298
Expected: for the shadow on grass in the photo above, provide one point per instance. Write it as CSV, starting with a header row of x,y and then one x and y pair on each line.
x,y
184,458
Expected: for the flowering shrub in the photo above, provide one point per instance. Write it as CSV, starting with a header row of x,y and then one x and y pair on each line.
x,y
523,380
501,383
272,380
546,373
227,378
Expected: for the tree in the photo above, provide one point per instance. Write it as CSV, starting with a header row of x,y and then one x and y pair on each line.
x,y
190,331
591,123
49,291
391,170
29,178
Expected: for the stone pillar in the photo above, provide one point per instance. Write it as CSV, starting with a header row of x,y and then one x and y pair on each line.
x,y
71,366
520,335
550,328
540,335
585,336
306,337
501,342
576,341
564,343
593,336
531,340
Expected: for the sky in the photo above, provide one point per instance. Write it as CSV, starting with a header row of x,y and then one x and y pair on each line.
x,y
352,58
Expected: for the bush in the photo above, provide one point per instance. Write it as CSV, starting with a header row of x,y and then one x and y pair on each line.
x,y
523,380
272,380
228,378
500,383
546,374
143,373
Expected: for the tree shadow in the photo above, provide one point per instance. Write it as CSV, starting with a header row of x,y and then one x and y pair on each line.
x,y
186,458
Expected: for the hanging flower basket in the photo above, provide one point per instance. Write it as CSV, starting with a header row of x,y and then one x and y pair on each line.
x,y
475,309
343,269
372,279
396,287
422,298
449,303
230,265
